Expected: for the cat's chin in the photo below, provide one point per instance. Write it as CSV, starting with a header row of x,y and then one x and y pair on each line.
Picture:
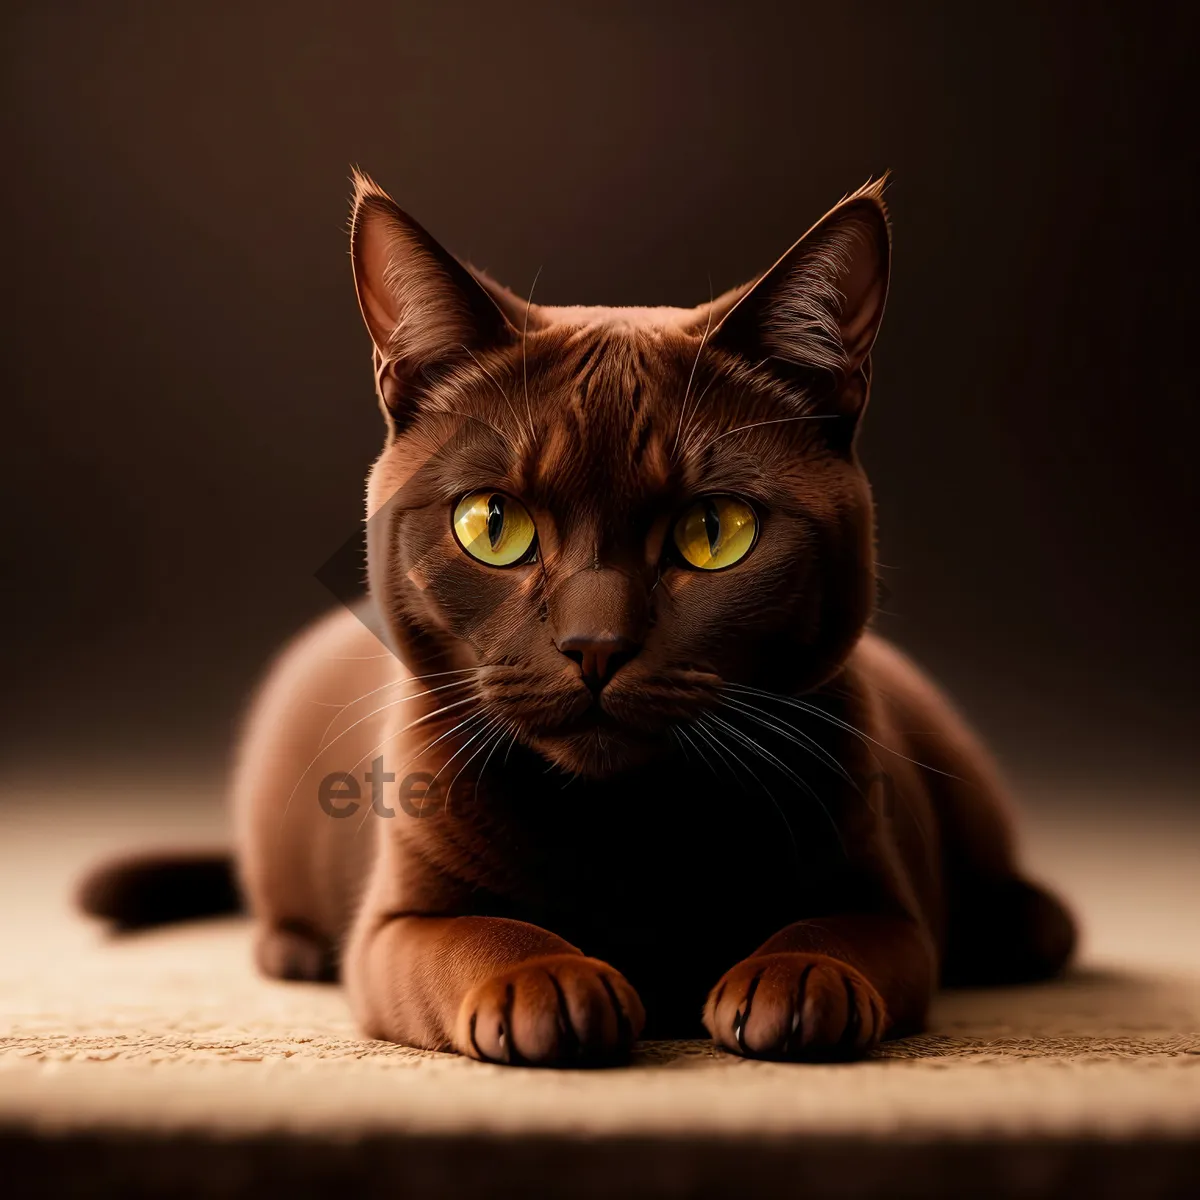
x,y
599,753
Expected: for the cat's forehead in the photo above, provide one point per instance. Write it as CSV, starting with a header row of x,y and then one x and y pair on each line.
x,y
605,400
604,418
626,366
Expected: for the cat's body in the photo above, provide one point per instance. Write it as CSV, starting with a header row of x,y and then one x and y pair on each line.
x,y
678,766
689,870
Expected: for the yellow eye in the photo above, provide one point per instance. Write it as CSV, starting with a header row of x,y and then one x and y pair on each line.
x,y
715,532
494,528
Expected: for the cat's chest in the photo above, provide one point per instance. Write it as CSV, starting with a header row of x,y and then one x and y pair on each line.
x,y
651,867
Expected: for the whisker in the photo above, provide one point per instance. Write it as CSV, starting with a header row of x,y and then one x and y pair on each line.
x,y
753,744
383,708
759,424
754,775
396,733
420,721
495,383
815,711
506,729
475,716
485,732
708,735
383,688
694,419
674,732
695,364
524,361
443,674
798,736
700,724
711,739
454,412
703,757
516,731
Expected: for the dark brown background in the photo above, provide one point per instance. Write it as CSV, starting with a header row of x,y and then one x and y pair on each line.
x,y
188,408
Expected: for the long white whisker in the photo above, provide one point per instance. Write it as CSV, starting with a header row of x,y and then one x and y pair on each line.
x,y
692,375
737,758
383,688
506,729
703,757
383,708
707,734
858,733
798,736
475,716
390,704
754,775
524,361
675,733
494,381
694,419
485,732
759,424
454,412
780,765
420,721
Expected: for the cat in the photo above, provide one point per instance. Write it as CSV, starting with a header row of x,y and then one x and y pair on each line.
x,y
637,763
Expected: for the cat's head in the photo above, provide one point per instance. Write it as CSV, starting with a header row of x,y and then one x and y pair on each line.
x,y
607,514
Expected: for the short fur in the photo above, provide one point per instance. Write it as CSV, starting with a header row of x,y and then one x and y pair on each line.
x,y
760,802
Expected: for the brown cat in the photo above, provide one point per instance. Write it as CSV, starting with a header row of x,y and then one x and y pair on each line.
x,y
636,744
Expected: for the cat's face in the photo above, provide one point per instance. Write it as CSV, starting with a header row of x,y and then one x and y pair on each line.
x,y
609,514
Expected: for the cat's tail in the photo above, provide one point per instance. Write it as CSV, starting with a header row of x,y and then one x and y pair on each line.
x,y
141,890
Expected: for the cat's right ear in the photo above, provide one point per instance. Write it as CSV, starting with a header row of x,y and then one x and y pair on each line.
x,y
812,317
421,306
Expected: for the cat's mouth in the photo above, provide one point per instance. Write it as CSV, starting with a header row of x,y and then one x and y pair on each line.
x,y
597,742
599,747
596,735
593,719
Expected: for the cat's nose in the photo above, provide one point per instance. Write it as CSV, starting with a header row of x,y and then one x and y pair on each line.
x,y
599,656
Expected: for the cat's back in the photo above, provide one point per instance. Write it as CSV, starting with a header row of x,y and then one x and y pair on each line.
x,y
935,747
903,697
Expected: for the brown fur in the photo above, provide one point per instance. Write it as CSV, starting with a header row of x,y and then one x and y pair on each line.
x,y
812,855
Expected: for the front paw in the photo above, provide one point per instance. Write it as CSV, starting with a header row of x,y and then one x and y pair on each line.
x,y
795,1006
561,1010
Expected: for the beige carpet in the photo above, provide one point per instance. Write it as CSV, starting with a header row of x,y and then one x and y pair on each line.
x,y
159,1063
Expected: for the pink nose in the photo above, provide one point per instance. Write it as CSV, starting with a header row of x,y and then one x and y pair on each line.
x,y
599,657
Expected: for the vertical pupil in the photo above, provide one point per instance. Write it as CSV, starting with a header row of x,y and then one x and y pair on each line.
x,y
495,520
712,525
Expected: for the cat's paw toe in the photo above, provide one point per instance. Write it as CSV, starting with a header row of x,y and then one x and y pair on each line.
x,y
561,1010
795,1006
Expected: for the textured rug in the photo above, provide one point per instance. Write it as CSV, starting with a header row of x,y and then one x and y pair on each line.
x,y
160,1063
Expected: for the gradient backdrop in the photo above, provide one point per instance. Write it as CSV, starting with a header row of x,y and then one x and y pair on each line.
x,y
188,406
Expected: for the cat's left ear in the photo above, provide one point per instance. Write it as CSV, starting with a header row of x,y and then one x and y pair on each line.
x,y
422,307
812,318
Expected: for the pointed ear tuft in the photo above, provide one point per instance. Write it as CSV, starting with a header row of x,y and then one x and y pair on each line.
x,y
814,315
421,306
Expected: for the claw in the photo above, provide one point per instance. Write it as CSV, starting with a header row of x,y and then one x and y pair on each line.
x,y
798,1011
570,1039
743,1015
624,1029
853,1016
